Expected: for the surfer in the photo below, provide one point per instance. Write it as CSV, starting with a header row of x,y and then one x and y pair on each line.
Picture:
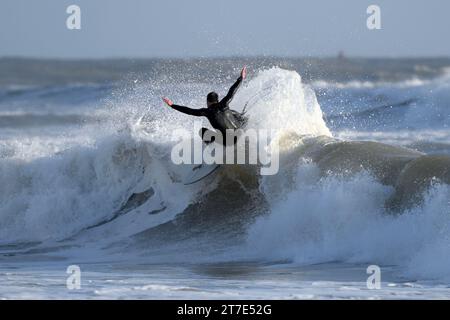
x,y
219,114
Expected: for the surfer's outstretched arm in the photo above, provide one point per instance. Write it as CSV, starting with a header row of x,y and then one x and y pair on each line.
x,y
186,110
234,87
189,111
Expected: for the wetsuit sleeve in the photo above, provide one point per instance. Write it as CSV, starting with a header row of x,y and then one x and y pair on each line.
x,y
226,100
189,111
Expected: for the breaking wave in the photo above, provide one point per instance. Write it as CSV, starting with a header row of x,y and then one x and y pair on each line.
x,y
331,201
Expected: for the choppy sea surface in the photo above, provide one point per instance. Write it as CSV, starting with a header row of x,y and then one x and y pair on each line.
x,y
87,180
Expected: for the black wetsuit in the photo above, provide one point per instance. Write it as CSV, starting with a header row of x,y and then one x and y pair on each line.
x,y
219,114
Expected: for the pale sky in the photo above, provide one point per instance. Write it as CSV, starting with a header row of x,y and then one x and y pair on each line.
x,y
204,28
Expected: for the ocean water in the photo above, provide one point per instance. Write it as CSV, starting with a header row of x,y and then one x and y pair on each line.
x,y
87,180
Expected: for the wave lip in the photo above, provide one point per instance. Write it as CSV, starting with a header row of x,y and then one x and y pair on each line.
x,y
278,100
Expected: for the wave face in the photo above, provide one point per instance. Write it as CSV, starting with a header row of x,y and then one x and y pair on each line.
x,y
340,219
93,179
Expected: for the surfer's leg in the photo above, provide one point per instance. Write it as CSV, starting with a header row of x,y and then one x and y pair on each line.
x,y
230,139
202,134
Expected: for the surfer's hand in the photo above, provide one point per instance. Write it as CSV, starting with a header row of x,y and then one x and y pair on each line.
x,y
244,72
168,101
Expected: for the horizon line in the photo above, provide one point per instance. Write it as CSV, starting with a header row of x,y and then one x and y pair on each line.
x,y
324,57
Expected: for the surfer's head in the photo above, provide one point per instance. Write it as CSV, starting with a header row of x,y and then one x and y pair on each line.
x,y
212,98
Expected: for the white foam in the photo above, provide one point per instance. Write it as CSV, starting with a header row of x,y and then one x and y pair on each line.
x,y
342,219
279,100
355,84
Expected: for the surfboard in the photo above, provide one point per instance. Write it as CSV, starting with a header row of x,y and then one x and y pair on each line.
x,y
200,172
